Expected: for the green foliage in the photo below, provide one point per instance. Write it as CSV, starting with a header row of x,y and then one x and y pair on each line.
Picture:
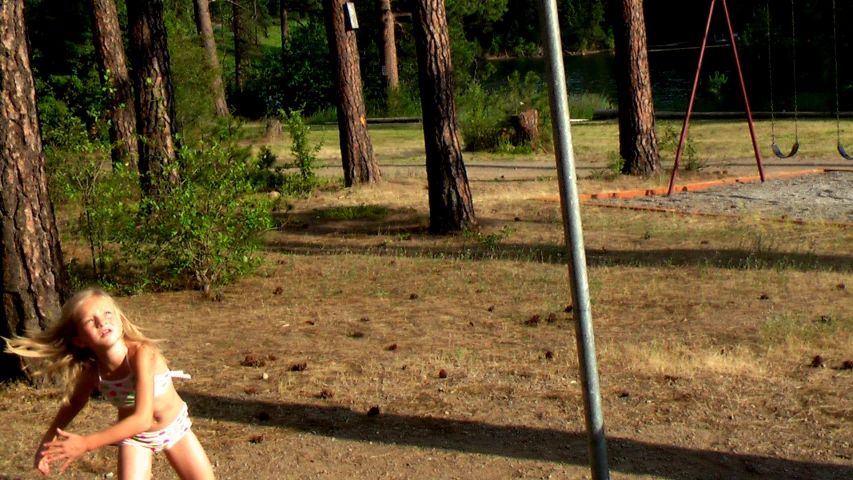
x,y
304,153
668,146
583,106
484,115
584,27
480,120
105,197
355,212
490,240
60,128
402,102
716,84
613,170
326,115
204,230
191,77
267,176
469,23
305,158
271,177
301,79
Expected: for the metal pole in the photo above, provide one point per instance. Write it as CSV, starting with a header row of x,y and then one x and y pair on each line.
x,y
690,104
573,232
745,100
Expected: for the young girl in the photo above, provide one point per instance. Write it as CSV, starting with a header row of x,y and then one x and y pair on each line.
x,y
95,346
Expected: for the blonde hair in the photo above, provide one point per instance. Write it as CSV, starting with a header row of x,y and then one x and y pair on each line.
x,y
55,347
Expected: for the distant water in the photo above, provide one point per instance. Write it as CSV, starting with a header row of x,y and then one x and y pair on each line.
x,y
672,74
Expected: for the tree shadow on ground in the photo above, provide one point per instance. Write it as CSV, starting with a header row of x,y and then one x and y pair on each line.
x,y
406,224
626,455
736,259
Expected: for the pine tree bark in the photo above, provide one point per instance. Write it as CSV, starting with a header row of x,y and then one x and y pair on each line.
x,y
237,31
205,25
109,48
359,164
389,46
450,205
34,280
285,32
155,106
637,139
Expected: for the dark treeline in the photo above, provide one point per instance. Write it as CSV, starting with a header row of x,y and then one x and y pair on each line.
x,y
261,77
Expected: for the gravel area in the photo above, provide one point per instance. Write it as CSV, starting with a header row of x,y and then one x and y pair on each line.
x,y
819,197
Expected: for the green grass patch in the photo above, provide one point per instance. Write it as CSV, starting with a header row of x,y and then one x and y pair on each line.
x,y
355,212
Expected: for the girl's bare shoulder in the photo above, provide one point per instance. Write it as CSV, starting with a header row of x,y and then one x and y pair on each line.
x,y
145,351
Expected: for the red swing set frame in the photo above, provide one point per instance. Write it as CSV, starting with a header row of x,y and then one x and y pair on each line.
x,y
693,97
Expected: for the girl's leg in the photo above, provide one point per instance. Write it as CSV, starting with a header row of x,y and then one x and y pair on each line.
x,y
134,463
189,460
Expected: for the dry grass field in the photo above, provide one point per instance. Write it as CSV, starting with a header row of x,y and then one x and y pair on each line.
x,y
377,350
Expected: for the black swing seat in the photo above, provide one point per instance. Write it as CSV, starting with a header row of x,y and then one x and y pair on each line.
x,y
794,150
843,152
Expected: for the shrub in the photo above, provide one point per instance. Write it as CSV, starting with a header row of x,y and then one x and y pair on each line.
x,y
104,196
304,156
480,120
484,115
204,231
668,147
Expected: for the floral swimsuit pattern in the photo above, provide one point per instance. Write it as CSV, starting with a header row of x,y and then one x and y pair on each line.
x,y
121,393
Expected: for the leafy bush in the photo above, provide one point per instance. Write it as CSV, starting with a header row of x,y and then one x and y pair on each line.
x,y
104,196
272,177
668,146
484,115
205,230
304,154
305,158
480,119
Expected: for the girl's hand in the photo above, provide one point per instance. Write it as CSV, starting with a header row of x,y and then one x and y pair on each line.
x,y
69,449
40,461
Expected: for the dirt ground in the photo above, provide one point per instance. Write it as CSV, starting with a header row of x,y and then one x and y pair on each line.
x,y
815,197
376,350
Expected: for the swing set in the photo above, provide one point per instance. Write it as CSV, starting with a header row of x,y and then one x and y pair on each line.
x,y
774,146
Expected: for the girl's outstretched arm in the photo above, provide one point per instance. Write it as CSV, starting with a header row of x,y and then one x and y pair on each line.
x,y
67,412
142,358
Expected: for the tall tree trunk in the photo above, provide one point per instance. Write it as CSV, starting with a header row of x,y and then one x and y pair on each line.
x,y
285,32
34,280
356,149
155,105
111,58
236,22
197,17
637,140
206,26
255,24
389,46
450,205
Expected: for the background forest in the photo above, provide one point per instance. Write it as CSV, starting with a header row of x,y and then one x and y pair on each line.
x,y
274,63
365,324
271,76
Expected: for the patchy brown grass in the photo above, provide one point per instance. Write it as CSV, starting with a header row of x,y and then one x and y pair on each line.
x,y
706,330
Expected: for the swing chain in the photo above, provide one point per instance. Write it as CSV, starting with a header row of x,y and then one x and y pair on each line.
x,y
794,68
770,77
835,58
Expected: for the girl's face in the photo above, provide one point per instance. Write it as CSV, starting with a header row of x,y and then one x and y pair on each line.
x,y
98,324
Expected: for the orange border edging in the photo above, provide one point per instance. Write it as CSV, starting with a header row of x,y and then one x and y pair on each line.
x,y
690,187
